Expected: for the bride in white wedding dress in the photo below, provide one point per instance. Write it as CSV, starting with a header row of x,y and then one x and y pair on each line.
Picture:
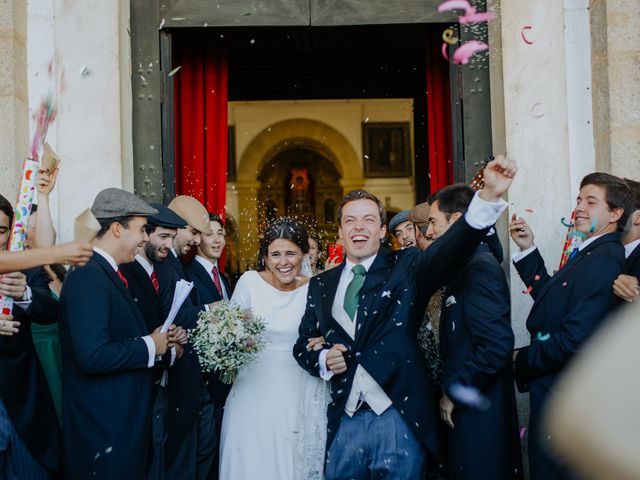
x,y
274,423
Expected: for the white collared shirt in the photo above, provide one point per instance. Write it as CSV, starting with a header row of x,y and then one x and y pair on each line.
x,y
208,266
630,247
151,347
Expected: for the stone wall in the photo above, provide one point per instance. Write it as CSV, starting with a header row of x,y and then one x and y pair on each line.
x,y
14,125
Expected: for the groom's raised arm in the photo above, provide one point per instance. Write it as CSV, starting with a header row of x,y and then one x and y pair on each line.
x,y
439,263
308,359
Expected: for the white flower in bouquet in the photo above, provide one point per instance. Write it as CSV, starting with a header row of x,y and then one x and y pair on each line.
x,y
227,338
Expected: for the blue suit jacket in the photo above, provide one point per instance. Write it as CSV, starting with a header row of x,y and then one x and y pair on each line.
x,y
394,297
476,345
108,388
568,307
23,386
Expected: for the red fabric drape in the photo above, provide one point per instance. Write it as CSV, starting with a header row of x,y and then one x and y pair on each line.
x,y
438,116
200,121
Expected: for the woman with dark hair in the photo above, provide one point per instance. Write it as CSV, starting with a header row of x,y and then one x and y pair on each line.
x,y
263,424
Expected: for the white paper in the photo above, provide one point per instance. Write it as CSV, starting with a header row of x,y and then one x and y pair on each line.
x,y
183,288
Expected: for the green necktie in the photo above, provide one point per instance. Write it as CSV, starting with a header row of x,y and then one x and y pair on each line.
x,y
353,290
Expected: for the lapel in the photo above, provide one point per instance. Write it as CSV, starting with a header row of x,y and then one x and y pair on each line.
x,y
142,277
115,279
571,264
377,276
328,283
204,278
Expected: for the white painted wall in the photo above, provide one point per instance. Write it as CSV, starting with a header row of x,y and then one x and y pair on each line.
x,y
92,132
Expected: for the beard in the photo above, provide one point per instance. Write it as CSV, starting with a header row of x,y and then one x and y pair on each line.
x,y
152,253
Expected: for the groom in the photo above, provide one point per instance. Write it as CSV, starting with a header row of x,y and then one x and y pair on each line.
x,y
382,418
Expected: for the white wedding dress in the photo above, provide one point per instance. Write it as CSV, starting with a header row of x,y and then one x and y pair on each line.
x,y
274,423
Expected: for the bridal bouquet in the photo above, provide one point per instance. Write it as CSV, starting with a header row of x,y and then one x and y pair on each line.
x,y
226,338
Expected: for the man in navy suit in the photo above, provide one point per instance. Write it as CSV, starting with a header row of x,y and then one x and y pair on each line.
x,y
570,305
144,286
29,432
627,285
476,344
108,352
382,419
192,437
212,286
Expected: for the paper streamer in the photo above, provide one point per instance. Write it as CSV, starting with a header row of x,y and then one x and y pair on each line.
x,y
21,215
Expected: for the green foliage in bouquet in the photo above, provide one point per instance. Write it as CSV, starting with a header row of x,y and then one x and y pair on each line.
x,y
226,338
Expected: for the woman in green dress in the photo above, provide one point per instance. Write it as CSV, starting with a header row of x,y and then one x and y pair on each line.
x,y
46,340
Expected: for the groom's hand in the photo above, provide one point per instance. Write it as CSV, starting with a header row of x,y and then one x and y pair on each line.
x,y
335,359
498,175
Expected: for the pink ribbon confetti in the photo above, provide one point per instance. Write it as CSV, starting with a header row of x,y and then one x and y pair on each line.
x,y
463,54
524,36
444,52
471,15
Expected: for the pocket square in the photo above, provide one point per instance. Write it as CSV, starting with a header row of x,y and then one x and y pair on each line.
x,y
450,301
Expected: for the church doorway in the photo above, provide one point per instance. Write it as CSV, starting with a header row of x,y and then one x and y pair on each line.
x,y
301,183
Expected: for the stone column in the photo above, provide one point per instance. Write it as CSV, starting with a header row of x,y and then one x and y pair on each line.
x,y
615,43
14,126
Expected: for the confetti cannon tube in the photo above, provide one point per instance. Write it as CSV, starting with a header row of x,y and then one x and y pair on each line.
x,y
21,218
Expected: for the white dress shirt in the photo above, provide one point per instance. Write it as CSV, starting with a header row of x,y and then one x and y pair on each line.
x,y
480,214
208,266
151,347
630,247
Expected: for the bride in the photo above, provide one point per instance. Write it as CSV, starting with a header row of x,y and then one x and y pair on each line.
x,y
274,424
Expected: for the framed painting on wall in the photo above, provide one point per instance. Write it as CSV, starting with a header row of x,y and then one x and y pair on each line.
x,y
386,149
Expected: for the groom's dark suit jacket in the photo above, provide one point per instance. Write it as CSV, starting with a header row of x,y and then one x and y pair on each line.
x,y
23,386
568,307
394,297
108,387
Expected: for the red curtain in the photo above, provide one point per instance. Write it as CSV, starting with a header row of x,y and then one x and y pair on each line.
x,y
200,121
438,116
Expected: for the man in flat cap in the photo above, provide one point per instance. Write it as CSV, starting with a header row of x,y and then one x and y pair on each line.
x,y
145,288
403,229
419,216
108,352
192,438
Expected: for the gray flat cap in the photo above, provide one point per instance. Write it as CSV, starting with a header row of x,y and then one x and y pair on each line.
x,y
114,202
398,218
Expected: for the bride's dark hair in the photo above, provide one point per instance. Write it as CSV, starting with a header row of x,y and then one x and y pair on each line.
x,y
286,228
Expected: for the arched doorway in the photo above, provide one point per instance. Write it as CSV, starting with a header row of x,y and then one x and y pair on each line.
x,y
302,183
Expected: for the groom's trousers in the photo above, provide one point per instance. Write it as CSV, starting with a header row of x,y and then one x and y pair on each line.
x,y
368,446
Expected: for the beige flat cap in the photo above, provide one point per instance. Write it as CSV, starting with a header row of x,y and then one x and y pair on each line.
x,y
192,211
419,215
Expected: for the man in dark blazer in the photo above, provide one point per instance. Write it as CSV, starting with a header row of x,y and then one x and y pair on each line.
x,y
108,352
29,432
382,419
627,285
570,305
144,286
192,437
212,286
476,345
